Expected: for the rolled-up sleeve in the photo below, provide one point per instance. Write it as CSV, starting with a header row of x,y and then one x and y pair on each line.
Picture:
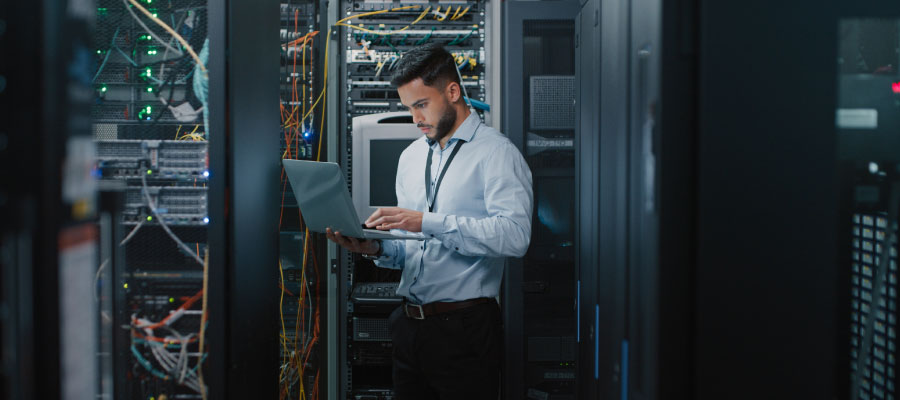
x,y
508,197
393,254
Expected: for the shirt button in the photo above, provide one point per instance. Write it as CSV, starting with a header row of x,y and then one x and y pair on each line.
x,y
457,248
432,235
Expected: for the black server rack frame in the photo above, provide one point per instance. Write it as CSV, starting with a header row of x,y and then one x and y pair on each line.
x,y
540,77
365,80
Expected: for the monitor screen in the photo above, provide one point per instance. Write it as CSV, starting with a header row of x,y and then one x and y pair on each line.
x,y
383,157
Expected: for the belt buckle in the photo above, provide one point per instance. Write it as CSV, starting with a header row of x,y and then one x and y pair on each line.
x,y
421,313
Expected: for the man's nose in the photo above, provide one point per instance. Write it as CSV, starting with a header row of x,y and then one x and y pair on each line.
x,y
417,117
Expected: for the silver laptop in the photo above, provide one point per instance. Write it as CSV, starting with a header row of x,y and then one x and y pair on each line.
x,y
325,201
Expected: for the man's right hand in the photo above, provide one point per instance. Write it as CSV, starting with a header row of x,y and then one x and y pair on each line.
x,y
351,243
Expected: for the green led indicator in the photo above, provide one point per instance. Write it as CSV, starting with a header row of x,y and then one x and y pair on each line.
x,y
99,51
149,172
148,72
171,299
149,89
148,109
125,285
149,218
103,89
151,51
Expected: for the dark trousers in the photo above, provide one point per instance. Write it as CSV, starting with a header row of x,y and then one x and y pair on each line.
x,y
454,355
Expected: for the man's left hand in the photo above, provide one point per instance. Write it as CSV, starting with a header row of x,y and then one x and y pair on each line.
x,y
395,218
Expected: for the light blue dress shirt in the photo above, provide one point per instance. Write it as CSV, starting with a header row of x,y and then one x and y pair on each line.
x,y
482,214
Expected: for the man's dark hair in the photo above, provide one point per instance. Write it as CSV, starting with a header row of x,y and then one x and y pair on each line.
x,y
431,62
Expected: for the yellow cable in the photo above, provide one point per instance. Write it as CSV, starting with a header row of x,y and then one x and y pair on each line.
x,y
177,131
463,13
368,14
303,87
324,88
203,393
341,22
281,312
172,32
302,284
446,14
311,109
453,18
421,16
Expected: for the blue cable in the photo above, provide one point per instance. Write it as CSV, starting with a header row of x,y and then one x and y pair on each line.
x,y
578,311
623,392
201,85
146,364
200,362
478,105
125,55
105,59
596,342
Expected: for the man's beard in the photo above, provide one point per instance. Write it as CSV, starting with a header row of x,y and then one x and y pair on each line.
x,y
445,124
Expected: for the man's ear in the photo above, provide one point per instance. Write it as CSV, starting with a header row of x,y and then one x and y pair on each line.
x,y
454,92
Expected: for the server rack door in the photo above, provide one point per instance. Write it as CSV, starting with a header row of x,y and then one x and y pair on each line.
x,y
539,118
587,181
640,344
766,175
613,193
47,202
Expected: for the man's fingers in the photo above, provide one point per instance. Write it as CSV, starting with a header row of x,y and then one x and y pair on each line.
x,y
341,240
375,215
387,219
401,224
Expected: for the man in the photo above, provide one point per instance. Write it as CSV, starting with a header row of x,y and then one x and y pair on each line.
x,y
468,189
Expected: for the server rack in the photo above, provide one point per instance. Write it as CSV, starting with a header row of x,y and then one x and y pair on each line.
x,y
367,293
147,88
539,82
684,302
195,281
302,262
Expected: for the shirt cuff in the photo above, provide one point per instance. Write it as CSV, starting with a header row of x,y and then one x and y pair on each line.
x,y
388,252
433,224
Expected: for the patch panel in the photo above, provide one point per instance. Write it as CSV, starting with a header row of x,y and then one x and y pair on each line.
x,y
175,205
164,159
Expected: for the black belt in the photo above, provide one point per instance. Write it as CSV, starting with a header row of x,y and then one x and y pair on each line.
x,y
416,311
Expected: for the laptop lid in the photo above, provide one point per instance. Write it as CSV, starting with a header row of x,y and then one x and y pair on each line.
x,y
323,197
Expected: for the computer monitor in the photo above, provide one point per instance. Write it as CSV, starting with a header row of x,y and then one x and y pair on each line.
x,y
378,141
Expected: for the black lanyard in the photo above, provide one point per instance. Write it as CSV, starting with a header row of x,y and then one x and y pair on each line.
x,y
429,197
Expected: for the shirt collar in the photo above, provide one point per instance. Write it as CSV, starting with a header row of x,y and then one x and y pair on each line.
x,y
465,132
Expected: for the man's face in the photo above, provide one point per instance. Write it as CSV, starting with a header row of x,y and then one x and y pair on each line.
x,y
430,108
